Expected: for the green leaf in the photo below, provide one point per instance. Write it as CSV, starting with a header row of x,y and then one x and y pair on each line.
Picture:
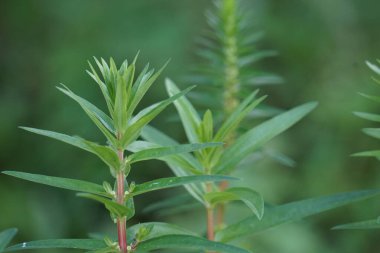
x,y
118,210
6,237
169,202
289,212
154,153
368,224
140,88
371,153
65,183
374,132
251,198
106,154
85,244
101,120
374,67
373,98
147,115
258,136
186,242
189,116
368,116
237,116
169,182
158,229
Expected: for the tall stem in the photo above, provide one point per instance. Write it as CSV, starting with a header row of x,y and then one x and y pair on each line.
x,y
231,78
121,222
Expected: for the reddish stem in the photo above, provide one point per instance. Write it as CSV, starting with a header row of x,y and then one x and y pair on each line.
x,y
210,218
121,222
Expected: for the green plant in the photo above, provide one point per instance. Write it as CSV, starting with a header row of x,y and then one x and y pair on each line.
x,y
121,127
373,132
229,53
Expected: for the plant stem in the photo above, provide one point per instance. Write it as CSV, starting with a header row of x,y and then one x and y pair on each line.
x,y
121,222
210,218
231,79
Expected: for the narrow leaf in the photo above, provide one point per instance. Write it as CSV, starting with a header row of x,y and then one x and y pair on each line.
x,y
186,242
258,136
65,183
368,116
251,198
85,244
115,208
189,116
154,153
169,182
147,115
6,237
368,224
289,212
106,154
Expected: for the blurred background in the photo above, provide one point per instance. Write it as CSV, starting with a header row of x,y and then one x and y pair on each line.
x,y
322,46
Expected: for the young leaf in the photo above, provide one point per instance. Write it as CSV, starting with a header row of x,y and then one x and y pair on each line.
x,y
251,198
374,153
189,116
154,153
163,183
65,183
293,211
118,210
85,244
368,224
140,88
106,154
258,136
6,236
147,115
186,242
237,116
374,132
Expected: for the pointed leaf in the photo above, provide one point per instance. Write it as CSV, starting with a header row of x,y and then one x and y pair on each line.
x,y
158,229
251,198
147,115
189,116
154,153
186,242
368,224
374,132
106,154
371,153
85,244
6,237
169,182
118,210
96,115
142,87
368,116
65,183
258,136
293,211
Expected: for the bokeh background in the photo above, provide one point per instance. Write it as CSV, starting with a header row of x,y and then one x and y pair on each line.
x,y
322,46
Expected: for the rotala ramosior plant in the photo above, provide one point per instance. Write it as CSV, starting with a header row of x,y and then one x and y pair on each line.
x,y
373,132
230,54
122,92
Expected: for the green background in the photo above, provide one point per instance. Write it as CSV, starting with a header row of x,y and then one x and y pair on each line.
x,y
322,46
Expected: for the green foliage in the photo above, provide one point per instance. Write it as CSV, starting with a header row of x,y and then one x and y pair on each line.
x,y
84,244
373,132
121,127
293,211
6,237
